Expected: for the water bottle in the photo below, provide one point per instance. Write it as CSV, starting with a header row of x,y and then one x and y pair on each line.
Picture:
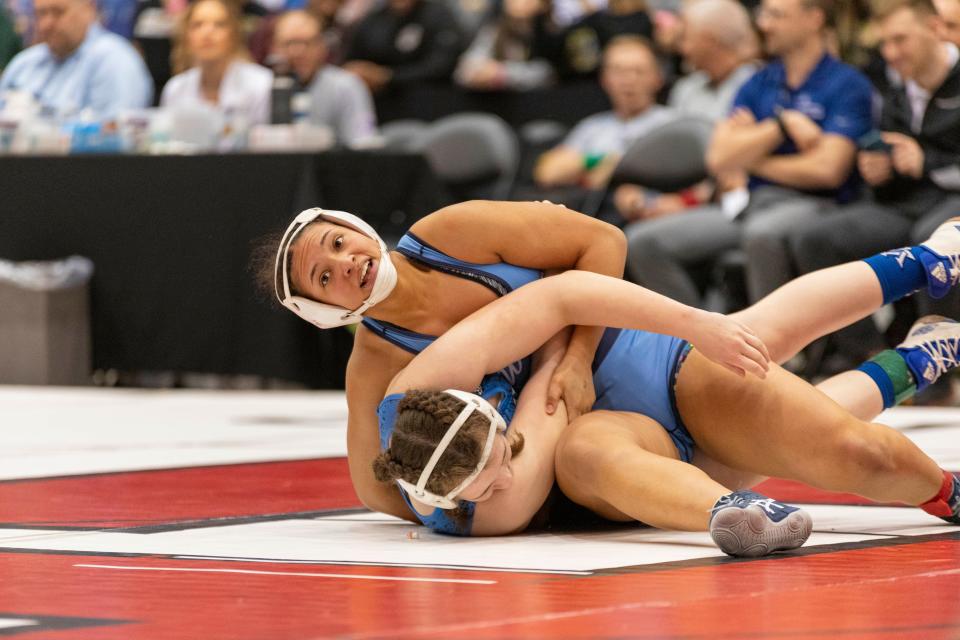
x,y
300,107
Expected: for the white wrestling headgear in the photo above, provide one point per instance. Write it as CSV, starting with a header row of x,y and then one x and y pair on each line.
x,y
327,316
497,425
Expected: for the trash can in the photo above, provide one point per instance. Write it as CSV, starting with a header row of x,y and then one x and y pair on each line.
x,y
45,322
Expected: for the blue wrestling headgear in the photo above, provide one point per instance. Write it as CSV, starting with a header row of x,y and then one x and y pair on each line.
x,y
493,385
472,403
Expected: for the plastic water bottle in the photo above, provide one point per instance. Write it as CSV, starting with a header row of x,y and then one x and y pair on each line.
x,y
300,107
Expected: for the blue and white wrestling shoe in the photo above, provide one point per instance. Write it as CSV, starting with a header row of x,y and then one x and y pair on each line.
x,y
749,525
941,260
931,349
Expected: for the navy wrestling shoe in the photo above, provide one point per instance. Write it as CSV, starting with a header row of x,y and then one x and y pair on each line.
x,y
748,525
941,261
931,349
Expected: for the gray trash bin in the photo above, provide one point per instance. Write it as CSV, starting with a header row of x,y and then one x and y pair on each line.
x,y
45,322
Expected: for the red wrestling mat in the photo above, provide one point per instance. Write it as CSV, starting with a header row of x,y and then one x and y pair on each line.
x,y
182,496
905,591
177,496
892,588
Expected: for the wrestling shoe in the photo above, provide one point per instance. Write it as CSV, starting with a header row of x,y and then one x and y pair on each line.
x,y
941,260
946,504
748,525
931,349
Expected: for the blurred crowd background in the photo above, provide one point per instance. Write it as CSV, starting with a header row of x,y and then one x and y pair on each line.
x,y
738,144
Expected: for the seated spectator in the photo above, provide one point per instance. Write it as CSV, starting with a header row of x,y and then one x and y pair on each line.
x,y
576,51
327,12
718,44
793,129
588,155
338,99
949,12
913,165
719,47
77,64
209,59
404,43
502,55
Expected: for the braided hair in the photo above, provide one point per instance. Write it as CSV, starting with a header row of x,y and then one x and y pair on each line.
x,y
423,417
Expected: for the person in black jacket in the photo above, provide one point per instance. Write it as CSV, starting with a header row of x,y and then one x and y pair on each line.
x,y
912,162
406,42
577,51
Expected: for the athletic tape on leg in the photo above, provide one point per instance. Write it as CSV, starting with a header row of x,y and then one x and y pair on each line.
x,y
889,371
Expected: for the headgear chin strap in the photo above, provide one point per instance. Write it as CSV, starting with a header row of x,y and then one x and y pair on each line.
x,y
327,316
497,425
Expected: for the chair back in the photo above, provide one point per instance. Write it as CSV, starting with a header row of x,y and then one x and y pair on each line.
x,y
400,135
668,159
478,150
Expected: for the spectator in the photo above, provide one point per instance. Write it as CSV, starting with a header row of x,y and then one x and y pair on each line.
x,y
576,51
404,43
949,11
719,46
327,12
913,166
587,157
793,129
502,54
718,43
77,64
208,58
338,99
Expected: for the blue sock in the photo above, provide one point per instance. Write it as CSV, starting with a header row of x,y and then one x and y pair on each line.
x,y
900,272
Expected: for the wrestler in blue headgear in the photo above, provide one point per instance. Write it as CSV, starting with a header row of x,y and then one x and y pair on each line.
x,y
494,399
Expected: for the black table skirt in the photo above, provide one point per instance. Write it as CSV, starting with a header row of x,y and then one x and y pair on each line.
x,y
171,239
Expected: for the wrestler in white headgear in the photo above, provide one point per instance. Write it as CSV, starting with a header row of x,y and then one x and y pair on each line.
x,y
327,316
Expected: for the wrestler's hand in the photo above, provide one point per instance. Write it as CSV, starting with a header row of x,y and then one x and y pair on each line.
x,y
572,382
730,344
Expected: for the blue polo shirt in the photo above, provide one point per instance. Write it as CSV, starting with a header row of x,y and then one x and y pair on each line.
x,y
835,96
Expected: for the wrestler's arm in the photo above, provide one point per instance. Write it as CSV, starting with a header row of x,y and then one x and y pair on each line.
x,y
538,235
373,363
511,510
518,324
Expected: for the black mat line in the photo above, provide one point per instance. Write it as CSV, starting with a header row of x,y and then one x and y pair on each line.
x,y
54,623
186,525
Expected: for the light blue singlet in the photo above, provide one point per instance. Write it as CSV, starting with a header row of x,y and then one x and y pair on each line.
x,y
633,370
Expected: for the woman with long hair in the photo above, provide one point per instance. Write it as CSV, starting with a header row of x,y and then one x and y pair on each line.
x,y
212,65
